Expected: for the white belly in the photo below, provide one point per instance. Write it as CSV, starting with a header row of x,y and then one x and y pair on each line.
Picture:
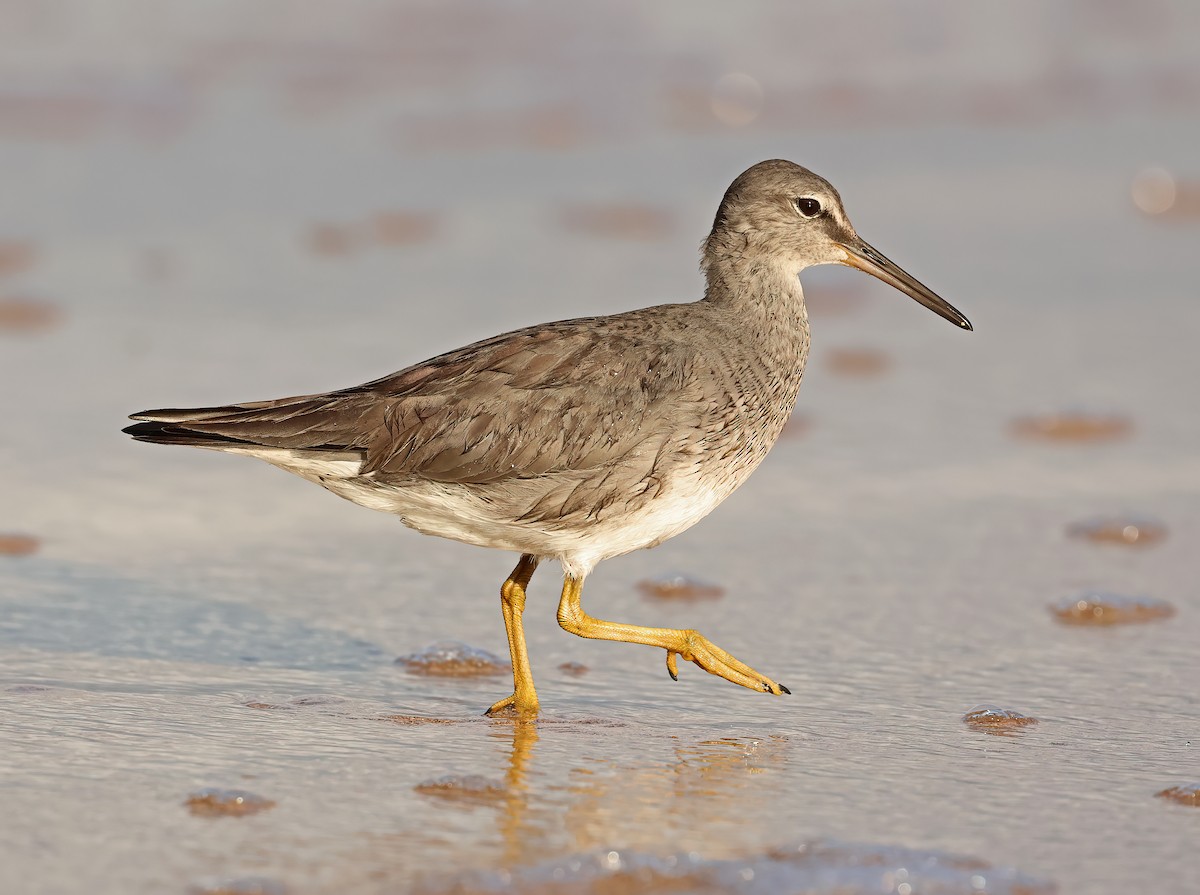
x,y
458,512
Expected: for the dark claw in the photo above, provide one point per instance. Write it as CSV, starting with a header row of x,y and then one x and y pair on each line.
x,y
674,676
785,689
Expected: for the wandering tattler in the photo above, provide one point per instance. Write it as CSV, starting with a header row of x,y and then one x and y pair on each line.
x,y
583,439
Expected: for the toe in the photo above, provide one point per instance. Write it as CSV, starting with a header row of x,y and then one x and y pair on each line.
x,y
513,707
716,661
501,708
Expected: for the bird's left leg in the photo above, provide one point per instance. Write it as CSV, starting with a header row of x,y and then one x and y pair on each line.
x,y
691,645
524,702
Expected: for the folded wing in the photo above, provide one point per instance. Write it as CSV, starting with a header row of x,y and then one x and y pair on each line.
x,y
574,395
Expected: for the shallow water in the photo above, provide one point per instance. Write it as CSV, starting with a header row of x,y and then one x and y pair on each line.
x,y
244,204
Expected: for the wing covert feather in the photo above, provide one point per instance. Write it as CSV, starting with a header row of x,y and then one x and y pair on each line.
x,y
572,395
527,407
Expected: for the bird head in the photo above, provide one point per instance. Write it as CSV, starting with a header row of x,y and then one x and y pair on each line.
x,y
778,214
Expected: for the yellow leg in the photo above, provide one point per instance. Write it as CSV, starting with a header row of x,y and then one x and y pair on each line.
x,y
524,702
689,644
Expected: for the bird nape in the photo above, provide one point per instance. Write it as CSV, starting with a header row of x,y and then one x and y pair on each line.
x,y
583,439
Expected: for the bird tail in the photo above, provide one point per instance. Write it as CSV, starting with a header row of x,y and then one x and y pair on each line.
x,y
172,427
308,422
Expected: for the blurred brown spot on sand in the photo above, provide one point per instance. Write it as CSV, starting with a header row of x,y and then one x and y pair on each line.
x,y
43,115
1101,610
16,257
214,802
401,228
826,300
846,101
1072,426
298,702
552,127
618,221
329,81
22,314
555,127
94,104
247,885
688,108
798,424
857,362
18,545
997,104
331,240
1186,794
471,789
417,720
574,669
997,721
321,699
1126,532
453,659
679,587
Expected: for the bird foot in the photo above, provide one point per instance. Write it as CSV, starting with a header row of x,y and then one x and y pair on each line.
x,y
514,707
701,651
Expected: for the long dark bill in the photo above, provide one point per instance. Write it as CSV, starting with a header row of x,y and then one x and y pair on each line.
x,y
865,258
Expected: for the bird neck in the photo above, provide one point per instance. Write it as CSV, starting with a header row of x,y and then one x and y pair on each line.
x,y
766,295
761,346
765,324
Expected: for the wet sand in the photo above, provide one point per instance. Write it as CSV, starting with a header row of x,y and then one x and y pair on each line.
x,y
254,210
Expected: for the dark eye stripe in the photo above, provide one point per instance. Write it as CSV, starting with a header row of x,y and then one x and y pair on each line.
x,y
810,208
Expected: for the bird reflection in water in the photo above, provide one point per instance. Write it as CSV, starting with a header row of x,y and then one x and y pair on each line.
x,y
604,802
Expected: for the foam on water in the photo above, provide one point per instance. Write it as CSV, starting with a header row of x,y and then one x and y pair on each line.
x,y
815,868
1183,794
217,802
679,587
1121,530
1101,609
995,720
449,658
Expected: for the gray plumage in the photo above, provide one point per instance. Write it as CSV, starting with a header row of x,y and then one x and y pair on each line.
x,y
581,439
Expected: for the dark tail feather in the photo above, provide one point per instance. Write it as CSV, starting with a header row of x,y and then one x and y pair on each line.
x,y
307,422
192,415
165,433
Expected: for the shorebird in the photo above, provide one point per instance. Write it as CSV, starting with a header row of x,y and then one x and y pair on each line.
x,y
584,439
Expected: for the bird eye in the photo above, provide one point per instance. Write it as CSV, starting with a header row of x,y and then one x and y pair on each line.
x,y
810,208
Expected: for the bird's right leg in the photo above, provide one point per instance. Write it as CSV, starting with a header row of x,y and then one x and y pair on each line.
x,y
691,645
524,702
